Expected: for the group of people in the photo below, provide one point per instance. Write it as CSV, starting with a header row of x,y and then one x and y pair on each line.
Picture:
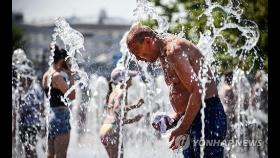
x,y
181,62
56,81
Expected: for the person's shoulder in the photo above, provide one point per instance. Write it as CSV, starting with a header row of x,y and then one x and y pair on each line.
x,y
45,75
118,93
56,75
50,73
175,47
172,49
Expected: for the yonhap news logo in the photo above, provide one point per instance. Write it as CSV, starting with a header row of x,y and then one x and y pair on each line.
x,y
184,141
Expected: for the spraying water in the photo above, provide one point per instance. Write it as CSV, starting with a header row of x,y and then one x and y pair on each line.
x,y
141,136
27,102
206,42
73,41
247,121
18,59
249,31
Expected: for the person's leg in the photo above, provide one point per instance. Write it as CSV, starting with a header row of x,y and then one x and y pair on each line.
x,y
188,152
112,150
61,143
215,130
23,139
28,139
109,135
51,134
60,131
108,145
51,148
112,147
192,149
30,147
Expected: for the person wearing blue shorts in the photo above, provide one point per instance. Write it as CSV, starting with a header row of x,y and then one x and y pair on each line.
x,y
61,79
184,66
215,131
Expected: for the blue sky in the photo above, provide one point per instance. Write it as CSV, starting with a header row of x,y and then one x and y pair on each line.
x,y
43,9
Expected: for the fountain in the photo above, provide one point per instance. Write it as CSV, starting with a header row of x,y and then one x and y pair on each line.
x,y
73,42
138,137
25,87
249,31
141,136
247,120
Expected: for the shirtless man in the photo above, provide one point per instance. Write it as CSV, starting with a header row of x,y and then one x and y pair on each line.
x,y
181,61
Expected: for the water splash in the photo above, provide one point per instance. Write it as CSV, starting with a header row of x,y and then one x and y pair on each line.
x,y
18,59
154,91
145,10
249,31
22,64
247,121
73,42
23,71
149,86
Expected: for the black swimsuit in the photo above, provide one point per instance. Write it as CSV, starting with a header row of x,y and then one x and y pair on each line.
x,y
55,98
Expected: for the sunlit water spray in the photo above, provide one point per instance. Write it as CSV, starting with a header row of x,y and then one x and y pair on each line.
x,y
18,59
248,121
152,92
151,88
249,31
22,69
140,136
73,42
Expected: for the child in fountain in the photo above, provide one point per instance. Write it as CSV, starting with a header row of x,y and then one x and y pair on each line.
x,y
109,132
59,119
181,62
30,106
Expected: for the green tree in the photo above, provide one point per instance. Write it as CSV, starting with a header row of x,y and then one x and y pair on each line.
x,y
195,22
17,34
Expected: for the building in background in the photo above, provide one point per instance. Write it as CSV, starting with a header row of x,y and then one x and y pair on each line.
x,y
102,39
17,17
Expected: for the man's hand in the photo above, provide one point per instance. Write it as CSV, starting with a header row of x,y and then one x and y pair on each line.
x,y
163,123
174,135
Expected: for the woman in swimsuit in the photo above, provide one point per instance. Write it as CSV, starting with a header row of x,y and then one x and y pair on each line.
x,y
60,79
109,132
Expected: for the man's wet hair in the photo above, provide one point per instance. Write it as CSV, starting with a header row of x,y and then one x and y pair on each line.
x,y
138,32
59,54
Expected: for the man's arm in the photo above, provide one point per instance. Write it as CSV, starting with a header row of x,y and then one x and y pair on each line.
x,y
176,117
187,77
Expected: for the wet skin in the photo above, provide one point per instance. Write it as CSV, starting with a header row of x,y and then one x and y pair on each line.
x,y
183,50
181,62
